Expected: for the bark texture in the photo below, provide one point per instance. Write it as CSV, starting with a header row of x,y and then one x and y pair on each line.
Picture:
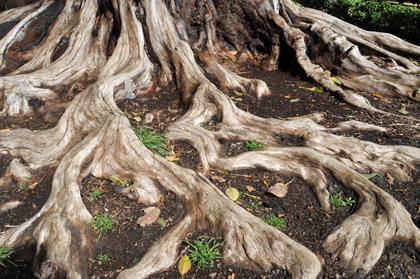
x,y
121,49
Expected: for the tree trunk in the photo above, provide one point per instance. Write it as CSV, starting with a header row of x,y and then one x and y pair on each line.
x,y
121,49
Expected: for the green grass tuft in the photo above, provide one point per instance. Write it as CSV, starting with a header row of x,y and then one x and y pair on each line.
x,y
101,222
253,145
152,140
94,194
5,253
279,223
205,251
103,258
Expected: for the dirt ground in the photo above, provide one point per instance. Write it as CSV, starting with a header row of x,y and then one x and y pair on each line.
x,y
125,244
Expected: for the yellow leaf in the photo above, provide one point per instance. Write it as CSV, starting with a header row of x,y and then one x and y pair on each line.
x,y
311,88
377,96
172,157
184,265
8,129
232,193
238,93
137,119
336,81
233,52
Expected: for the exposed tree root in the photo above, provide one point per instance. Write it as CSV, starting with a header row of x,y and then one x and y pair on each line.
x,y
198,47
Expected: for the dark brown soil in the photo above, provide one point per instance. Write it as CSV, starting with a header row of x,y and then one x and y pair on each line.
x,y
306,222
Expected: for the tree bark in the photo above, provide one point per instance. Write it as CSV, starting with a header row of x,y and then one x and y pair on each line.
x,y
122,49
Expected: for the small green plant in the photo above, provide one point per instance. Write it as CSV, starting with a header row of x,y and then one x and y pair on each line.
x,y
94,194
253,145
103,258
252,206
206,127
279,223
135,260
5,253
101,222
114,178
205,251
150,139
22,186
338,202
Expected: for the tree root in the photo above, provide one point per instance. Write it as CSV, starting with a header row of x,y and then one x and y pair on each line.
x,y
156,42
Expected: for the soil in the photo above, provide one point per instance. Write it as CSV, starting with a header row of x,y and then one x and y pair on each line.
x,y
123,246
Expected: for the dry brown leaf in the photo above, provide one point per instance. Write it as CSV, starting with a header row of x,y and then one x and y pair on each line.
x,y
279,190
152,214
250,188
231,276
218,178
212,275
390,179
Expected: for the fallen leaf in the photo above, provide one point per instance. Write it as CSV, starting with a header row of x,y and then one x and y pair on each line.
x,y
32,185
232,193
184,265
319,89
401,191
218,178
254,197
279,190
233,52
212,275
335,81
137,119
309,88
161,222
250,188
172,157
377,96
231,276
402,110
238,93
294,100
152,214
371,175
219,171
390,179
8,129
114,178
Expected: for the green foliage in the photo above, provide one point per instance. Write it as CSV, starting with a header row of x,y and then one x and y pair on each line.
x,y
399,20
115,178
5,253
206,127
205,251
252,206
279,223
22,186
338,202
94,194
152,140
103,258
253,145
101,222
